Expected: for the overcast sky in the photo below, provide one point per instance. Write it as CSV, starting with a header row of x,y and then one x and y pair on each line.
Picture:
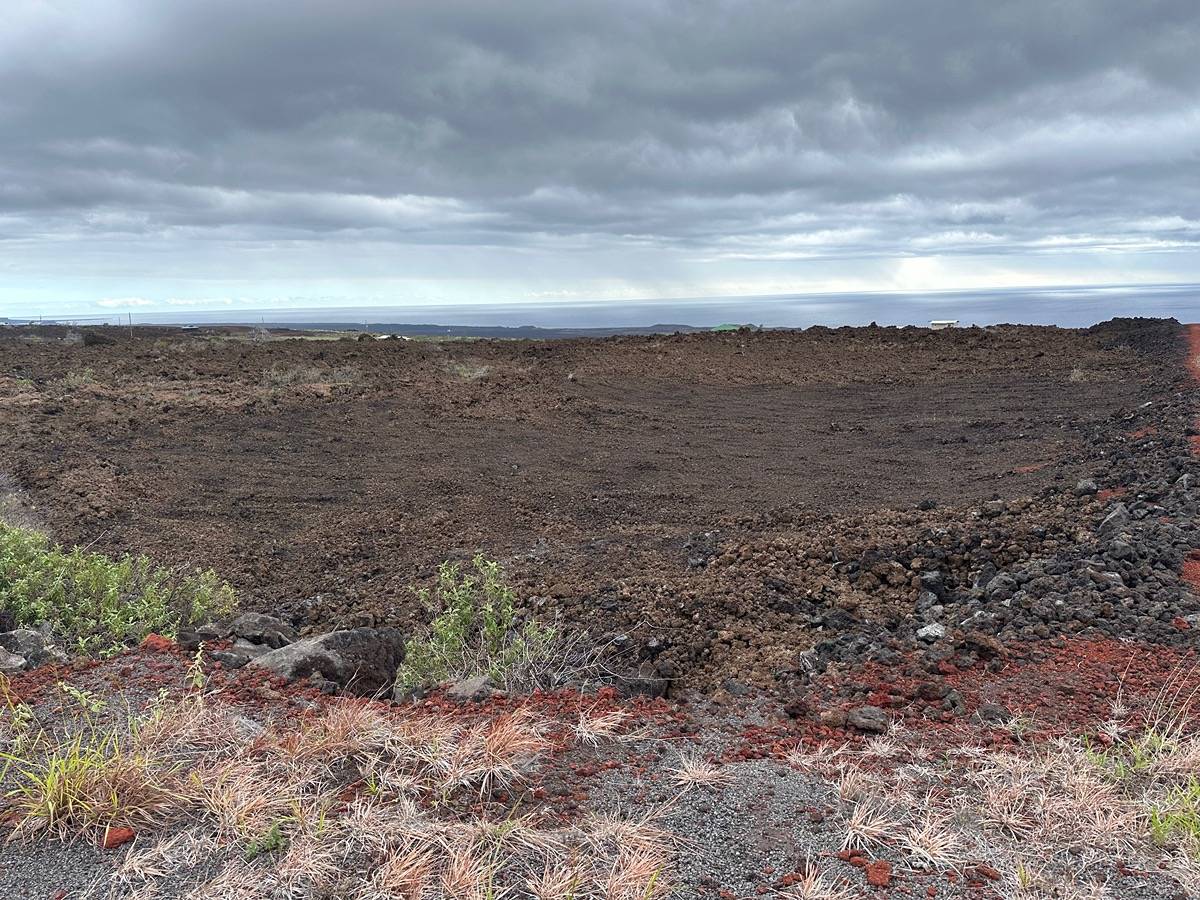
x,y
176,153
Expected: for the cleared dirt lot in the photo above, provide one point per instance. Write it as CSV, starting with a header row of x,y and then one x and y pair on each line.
x,y
328,478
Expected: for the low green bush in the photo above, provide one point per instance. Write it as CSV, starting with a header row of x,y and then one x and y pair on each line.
x,y
475,632
97,603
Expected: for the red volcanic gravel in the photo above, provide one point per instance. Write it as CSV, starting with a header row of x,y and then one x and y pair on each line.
x,y
157,643
1191,569
1068,686
1061,686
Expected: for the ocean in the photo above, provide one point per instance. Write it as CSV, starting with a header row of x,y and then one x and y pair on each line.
x,y
1063,306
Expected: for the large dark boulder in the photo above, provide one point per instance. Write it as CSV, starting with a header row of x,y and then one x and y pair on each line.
x,y
871,719
361,660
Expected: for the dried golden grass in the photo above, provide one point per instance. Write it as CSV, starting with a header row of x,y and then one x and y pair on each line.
x,y
1042,814
357,787
694,771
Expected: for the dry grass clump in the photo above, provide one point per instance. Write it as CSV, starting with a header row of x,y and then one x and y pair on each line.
x,y
816,884
869,825
360,801
694,771
822,758
1050,817
596,727
279,378
468,370
88,782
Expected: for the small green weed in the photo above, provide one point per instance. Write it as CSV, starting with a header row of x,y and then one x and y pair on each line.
x,y
1020,726
1134,757
72,382
86,700
1177,818
197,678
270,841
469,371
17,721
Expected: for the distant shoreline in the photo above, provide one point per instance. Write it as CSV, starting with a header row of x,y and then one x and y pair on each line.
x,y
1069,307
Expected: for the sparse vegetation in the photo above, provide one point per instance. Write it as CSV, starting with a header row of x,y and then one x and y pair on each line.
x,y
469,371
296,792
1130,789
475,631
96,603
72,382
254,789
280,377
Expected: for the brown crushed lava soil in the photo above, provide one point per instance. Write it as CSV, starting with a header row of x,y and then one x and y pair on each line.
x,y
326,478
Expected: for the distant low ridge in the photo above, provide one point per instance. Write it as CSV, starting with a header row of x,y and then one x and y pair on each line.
x,y
513,332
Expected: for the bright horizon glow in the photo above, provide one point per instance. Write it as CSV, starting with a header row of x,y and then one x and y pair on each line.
x,y
927,275
1064,305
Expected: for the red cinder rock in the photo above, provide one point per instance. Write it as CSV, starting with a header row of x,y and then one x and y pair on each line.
x,y
879,873
157,643
115,837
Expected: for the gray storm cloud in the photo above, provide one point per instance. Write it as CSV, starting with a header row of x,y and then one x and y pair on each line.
x,y
732,131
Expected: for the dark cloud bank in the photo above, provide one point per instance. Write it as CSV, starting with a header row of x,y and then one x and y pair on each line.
x,y
728,131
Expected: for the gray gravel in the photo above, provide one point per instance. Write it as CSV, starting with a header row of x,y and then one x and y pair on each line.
x,y
748,832
40,870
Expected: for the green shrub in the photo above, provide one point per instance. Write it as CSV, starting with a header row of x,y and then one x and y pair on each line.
x,y
97,603
475,632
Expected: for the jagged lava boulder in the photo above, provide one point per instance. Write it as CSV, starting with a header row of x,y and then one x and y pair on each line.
x,y
33,647
361,660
